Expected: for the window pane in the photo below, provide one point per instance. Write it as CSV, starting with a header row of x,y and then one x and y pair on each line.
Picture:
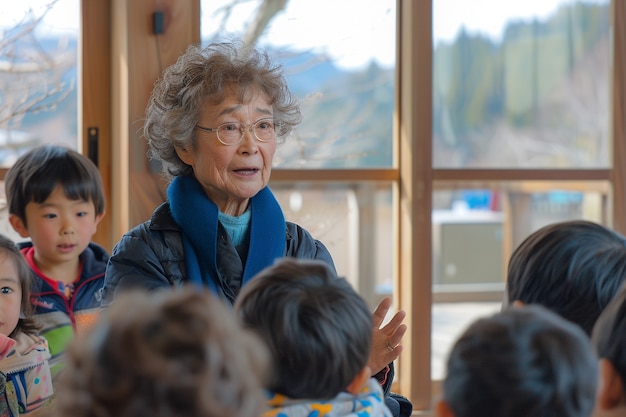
x,y
474,233
38,80
525,85
343,74
355,223
449,320
38,76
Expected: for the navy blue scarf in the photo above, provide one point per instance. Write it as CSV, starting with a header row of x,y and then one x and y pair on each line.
x,y
197,217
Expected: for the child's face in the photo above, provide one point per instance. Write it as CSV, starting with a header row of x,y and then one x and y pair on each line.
x,y
10,295
59,228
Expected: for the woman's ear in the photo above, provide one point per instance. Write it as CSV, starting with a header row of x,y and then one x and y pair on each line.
x,y
610,392
443,409
185,155
359,381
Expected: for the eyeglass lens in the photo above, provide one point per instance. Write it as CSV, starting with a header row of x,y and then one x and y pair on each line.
x,y
232,132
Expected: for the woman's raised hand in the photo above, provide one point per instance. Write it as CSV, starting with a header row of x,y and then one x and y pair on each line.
x,y
386,340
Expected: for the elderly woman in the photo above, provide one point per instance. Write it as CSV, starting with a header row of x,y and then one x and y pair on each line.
x,y
214,121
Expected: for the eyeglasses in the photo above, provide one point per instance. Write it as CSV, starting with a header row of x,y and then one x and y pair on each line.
x,y
231,133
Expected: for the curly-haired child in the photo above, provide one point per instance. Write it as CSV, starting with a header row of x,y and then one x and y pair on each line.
x,y
176,352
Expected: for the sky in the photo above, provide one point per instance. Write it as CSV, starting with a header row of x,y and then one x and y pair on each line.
x,y
485,16
64,16
311,26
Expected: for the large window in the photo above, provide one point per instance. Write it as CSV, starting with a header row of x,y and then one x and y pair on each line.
x,y
423,171
344,77
524,87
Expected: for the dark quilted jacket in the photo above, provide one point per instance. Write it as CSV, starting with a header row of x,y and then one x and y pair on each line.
x,y
151,255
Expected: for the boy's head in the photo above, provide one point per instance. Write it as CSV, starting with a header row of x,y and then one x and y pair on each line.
x,y
523,361
609,341
55,197
176,352
37,173
317,327
573,268
15,281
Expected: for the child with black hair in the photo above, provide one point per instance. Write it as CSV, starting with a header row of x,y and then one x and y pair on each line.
x,y
574,268
523,361
609,341
55,197
319,333
25,381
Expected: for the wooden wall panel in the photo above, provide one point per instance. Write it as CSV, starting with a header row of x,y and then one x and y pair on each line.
x,y
415,191
139,56
95,98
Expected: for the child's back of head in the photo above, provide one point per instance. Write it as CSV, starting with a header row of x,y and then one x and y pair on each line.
x,y
318,328
178,352
609,341
609,333
573,268
523,361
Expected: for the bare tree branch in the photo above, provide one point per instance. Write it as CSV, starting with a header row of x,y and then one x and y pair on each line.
x,y
267,11
31,76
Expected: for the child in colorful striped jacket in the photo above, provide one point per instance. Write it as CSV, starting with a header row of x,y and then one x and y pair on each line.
x,y
319,333
25,381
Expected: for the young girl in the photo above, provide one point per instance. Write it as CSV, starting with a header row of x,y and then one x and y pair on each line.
x,y
25,382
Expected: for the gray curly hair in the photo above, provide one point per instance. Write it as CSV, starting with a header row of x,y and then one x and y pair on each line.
x,y
202,76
